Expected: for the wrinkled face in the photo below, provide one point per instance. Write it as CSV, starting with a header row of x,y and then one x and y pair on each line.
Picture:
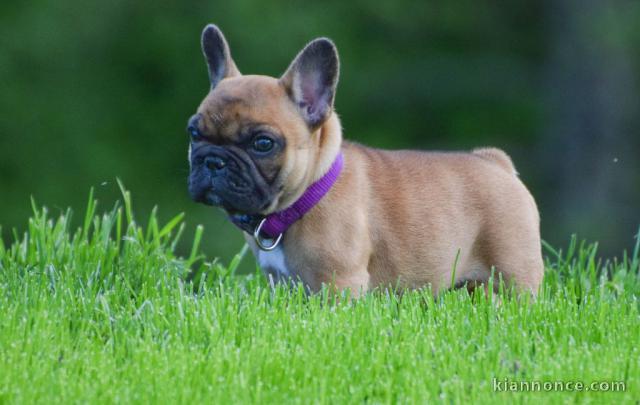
x,y
242,138
254,139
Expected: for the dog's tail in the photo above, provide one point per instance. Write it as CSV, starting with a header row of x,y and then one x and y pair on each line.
x,y
497,156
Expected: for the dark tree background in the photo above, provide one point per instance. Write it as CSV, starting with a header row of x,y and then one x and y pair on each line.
x,y
94,90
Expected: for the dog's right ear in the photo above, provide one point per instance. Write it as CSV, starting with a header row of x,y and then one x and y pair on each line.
x,y
217,54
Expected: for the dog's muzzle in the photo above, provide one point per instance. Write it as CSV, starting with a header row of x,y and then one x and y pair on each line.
x,y
226,178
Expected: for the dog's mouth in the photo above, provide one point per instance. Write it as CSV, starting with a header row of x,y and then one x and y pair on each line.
x,y
214,199
211,198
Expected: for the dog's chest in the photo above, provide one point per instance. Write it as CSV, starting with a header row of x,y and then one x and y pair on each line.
x,y
273,263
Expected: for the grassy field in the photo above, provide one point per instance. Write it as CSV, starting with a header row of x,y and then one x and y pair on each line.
x,y
107,313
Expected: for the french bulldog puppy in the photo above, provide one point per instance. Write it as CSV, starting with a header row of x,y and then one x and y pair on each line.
x,y
323,211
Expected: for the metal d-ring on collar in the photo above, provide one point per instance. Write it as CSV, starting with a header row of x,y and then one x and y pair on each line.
x,y
260,240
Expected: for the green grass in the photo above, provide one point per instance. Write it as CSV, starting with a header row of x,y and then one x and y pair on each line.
x,y
108,313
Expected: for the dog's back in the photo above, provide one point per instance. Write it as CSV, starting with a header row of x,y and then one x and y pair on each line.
x,y
425,209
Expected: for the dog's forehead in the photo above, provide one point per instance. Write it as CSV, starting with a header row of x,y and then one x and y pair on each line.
x,y
241,100
247,91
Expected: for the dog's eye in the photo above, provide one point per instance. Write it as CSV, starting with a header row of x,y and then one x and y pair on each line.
x,y
194,133
262,144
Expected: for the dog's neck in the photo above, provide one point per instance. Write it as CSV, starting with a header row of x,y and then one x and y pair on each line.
x,y
330,141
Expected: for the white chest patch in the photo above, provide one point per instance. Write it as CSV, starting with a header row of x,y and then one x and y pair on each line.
x,y
273,263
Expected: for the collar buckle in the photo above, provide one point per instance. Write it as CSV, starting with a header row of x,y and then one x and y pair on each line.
x,y
261,242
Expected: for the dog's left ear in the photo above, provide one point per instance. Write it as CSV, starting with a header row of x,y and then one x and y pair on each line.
x,y
311,80
217,54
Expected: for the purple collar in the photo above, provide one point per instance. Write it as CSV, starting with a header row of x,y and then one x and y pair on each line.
x,y
274,225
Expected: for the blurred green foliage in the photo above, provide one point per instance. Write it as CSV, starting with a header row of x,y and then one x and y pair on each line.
x,y
91,91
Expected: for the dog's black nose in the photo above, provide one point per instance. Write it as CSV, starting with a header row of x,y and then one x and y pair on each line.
x,y
215,163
